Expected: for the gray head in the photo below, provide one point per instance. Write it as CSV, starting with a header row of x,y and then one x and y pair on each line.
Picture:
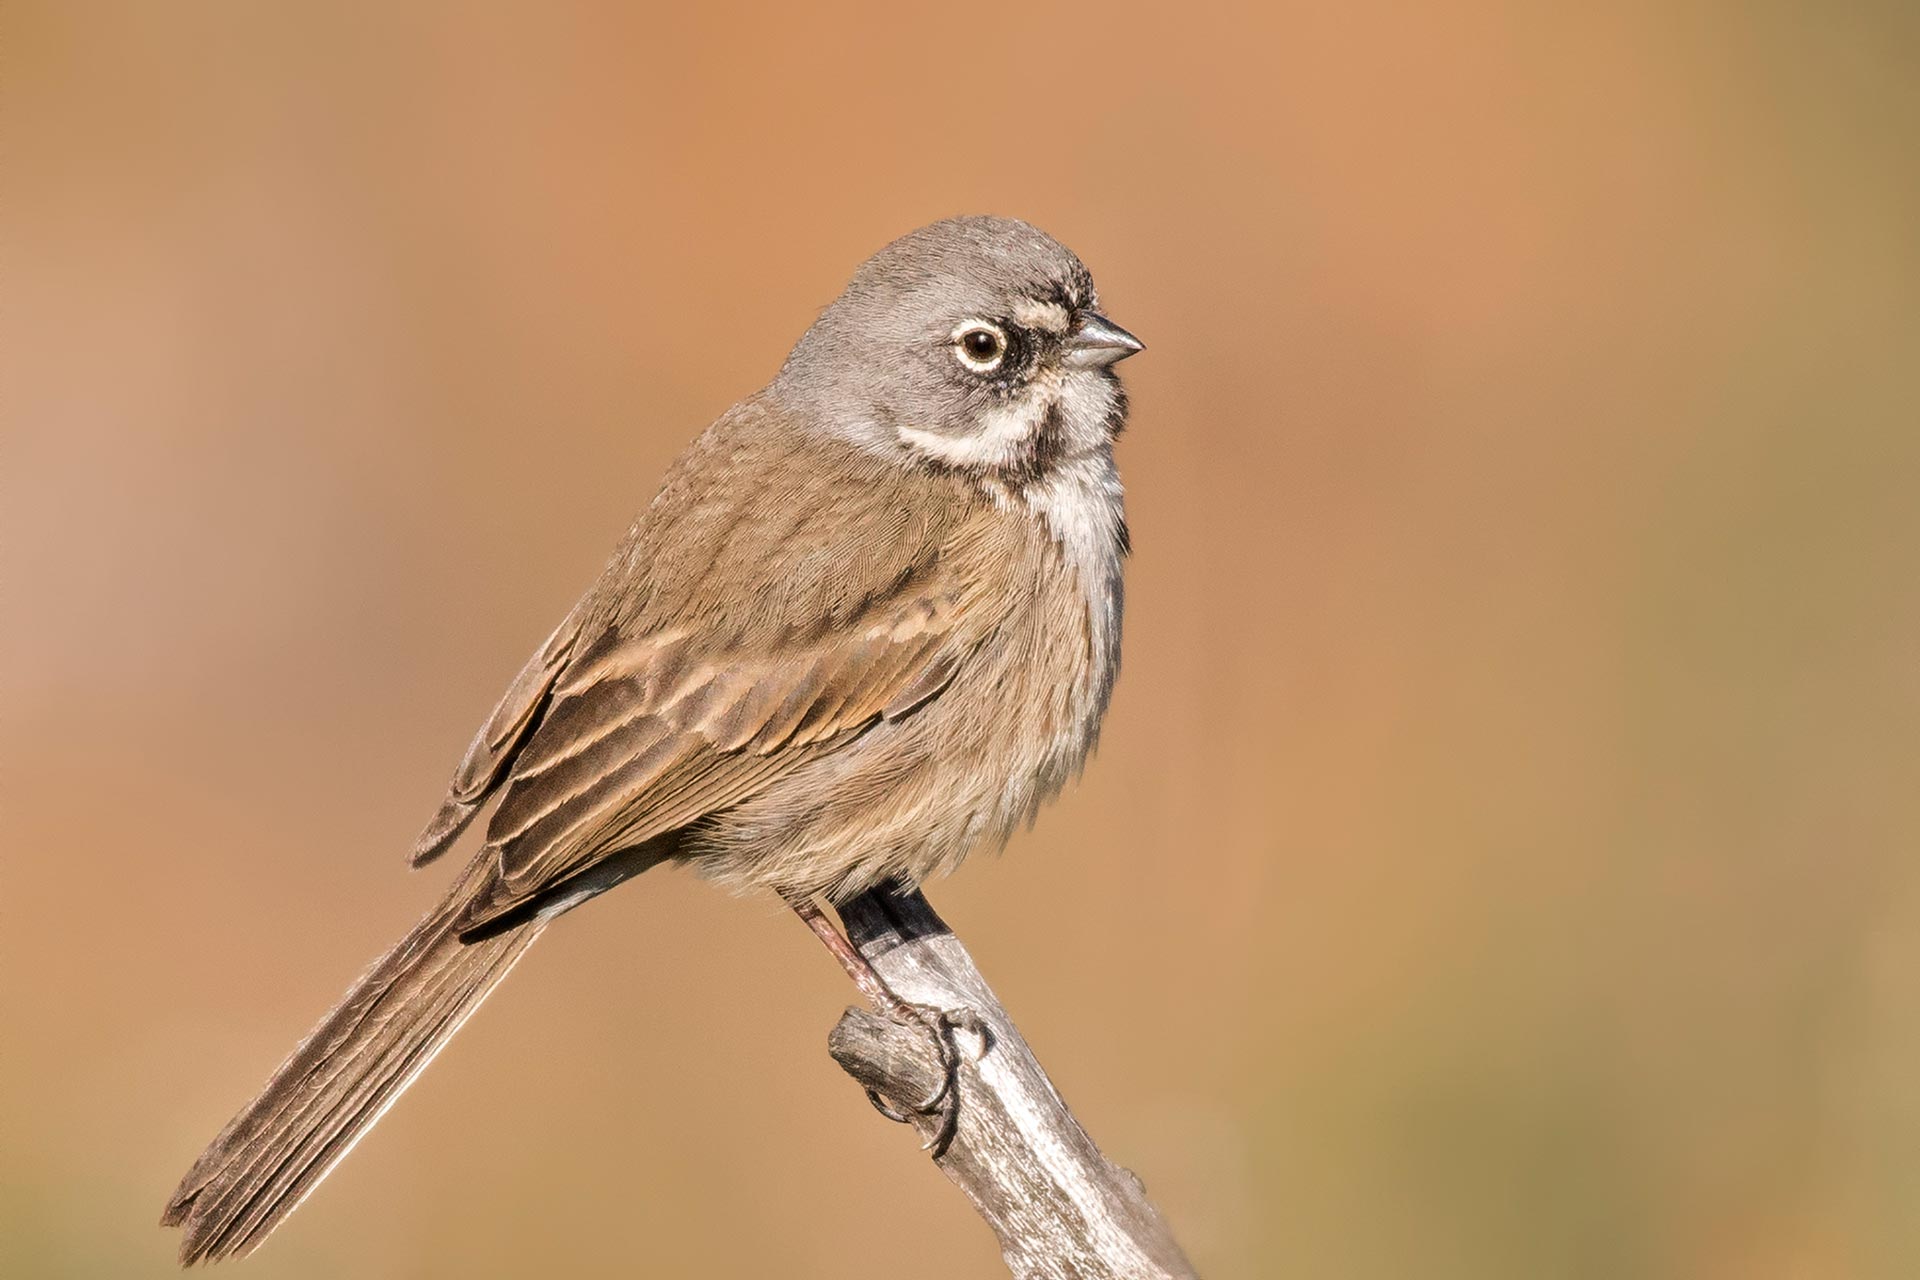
x,y
974,343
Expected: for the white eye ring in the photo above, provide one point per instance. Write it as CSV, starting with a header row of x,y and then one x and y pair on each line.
x,y
980,345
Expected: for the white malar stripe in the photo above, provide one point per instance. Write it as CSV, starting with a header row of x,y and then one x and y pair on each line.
x,y
995,443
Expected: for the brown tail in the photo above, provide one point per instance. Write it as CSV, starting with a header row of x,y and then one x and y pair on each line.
x,y
341,1079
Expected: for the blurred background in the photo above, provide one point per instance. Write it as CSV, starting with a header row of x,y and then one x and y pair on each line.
x,y
1501,857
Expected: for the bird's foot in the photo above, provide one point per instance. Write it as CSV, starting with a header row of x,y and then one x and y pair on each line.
x,y
944,1101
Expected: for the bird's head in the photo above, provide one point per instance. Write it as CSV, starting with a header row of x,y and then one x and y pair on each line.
x,y
975,344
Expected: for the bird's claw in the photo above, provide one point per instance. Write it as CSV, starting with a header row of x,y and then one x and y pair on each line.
x,y
944,1100
887,1109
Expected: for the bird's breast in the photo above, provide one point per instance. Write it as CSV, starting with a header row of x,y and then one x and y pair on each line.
x,y
1069,637
1080,505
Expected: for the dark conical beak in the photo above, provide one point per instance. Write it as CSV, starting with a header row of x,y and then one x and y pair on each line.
x,y
1097,342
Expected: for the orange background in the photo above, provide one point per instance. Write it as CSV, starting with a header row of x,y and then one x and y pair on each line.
x,y
1501,857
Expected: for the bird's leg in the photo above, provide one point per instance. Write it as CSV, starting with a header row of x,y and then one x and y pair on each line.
x,y
936,1022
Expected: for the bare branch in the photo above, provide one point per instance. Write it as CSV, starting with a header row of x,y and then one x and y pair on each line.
x,y
1061,1210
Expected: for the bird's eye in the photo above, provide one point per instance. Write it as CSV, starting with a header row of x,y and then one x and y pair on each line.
x,y
980,346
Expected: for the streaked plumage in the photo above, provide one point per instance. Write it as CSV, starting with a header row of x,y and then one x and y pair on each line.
x,y
869,623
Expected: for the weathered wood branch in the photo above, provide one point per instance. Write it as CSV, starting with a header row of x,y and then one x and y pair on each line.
x,y
1061,1210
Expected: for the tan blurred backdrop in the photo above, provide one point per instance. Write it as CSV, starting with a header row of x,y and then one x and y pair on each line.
x,y
1501,859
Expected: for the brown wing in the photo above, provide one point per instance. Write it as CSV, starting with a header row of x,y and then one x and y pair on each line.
x,y
781,594
494,747
643,736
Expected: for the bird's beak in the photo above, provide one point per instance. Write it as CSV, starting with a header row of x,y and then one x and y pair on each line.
x,y
1097,342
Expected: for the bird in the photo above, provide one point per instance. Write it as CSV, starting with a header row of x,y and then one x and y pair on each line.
x,y
869,623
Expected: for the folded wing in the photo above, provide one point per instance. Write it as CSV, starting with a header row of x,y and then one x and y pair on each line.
x,y
642,736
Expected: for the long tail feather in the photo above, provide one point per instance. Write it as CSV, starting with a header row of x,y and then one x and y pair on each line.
x,y
341,1079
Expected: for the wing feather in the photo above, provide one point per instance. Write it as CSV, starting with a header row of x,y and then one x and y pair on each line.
x,y
645,736
494,747
758,615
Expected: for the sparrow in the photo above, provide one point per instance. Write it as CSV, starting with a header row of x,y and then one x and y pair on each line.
x,y
869,623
